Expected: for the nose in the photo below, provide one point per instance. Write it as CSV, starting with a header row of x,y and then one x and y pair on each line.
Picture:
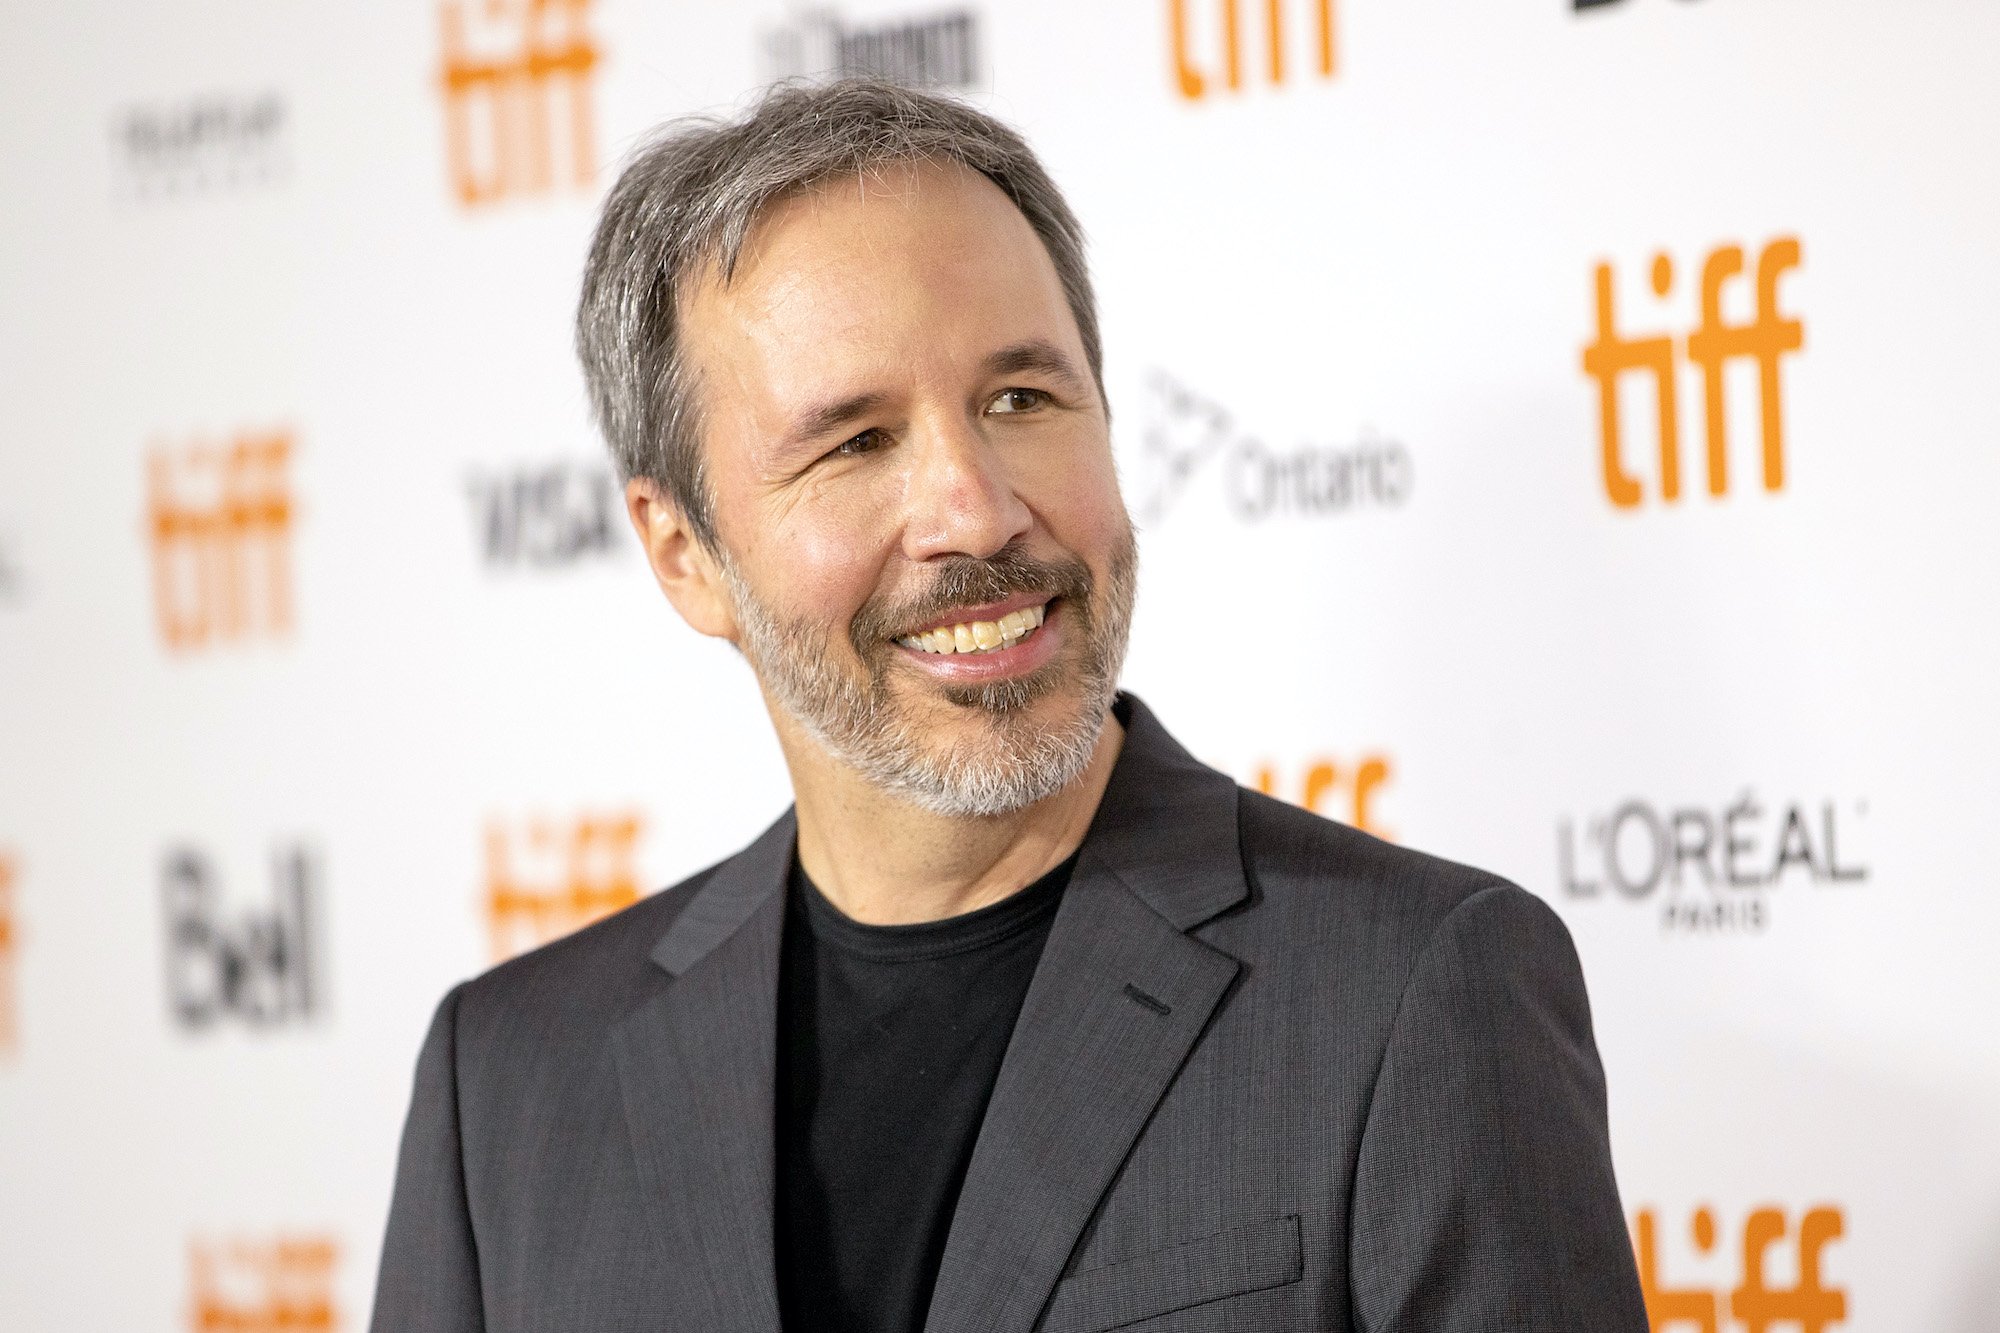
x,y
959,496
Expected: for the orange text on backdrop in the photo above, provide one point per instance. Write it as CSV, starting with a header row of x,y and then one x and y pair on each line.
x,y
1326,787
1711,347
1192,23
9,946
220,522
1808,1305
275,1286
545,880
502,63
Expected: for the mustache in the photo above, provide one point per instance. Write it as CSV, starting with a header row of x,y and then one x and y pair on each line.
x,y
964,580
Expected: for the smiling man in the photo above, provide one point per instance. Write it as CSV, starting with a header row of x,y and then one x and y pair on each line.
x,y
1021,1018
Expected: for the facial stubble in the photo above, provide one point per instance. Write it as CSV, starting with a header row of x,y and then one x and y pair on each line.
x,y
864,723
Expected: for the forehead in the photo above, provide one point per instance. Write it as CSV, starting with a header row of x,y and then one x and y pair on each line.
x,y
900,264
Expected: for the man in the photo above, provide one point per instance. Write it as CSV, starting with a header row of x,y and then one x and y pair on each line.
x,y
1021,1018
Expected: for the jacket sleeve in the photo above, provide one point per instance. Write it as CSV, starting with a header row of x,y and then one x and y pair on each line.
x,y
1484,1197
429,1281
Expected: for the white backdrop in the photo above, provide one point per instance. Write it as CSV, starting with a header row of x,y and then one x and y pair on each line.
x,y
328,672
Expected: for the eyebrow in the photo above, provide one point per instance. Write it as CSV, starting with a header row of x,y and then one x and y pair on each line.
x,y
1035,354
818,421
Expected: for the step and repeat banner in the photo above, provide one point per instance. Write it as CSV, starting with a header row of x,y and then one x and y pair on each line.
x,y
1563,436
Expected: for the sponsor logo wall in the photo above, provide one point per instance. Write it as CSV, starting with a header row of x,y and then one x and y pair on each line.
x,y
220,522
1190,440
517,78
546,515
1758,1295
282,1285
1218,49
546,878
316,701
1712,347
930,50
195,145
10,947
1346,789
253,964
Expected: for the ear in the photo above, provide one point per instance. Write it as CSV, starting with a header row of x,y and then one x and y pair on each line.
x,y
686,570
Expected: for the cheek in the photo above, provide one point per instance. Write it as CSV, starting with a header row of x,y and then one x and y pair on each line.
x,y
1079,501
822,562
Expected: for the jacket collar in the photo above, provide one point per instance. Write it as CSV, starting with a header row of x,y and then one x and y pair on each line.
x,y
1192,875
729,898
1157,784
1121,996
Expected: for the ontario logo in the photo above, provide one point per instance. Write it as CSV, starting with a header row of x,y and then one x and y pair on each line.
x,y
518,79
219,519
1343,789
279,1285
1714,345
1214,51
1722,1282
1711,869
1190,440
548,877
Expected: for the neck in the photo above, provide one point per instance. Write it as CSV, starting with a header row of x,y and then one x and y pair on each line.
x,y
884,861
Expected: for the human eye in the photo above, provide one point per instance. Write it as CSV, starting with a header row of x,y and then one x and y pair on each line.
x,y
867,442
1015,400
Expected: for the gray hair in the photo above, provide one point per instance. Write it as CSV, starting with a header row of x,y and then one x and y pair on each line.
x,y
690,198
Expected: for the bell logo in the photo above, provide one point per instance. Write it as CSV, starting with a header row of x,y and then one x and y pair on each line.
x,y
256,965
544,881
9,1031
220,521
1808,1305
1711,347
278,1286
502,64
1334,790
1225,25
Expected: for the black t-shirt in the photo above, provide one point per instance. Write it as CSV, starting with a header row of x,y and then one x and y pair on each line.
x,y
889,1041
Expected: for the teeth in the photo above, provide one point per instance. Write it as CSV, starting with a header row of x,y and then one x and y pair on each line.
x,y
979,636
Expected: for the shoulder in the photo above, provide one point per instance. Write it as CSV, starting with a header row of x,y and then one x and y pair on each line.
x,y
1327,896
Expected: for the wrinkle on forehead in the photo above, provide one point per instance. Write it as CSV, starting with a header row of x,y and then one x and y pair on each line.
x,y
848,285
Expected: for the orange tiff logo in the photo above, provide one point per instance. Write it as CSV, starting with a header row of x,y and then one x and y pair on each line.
x,y
276,1286
220,519
544,880
1226,27
9,945
1762,341
1808,1304
1334,790
505,63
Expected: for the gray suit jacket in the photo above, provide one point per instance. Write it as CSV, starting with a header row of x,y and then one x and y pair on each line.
x,y
1271,1074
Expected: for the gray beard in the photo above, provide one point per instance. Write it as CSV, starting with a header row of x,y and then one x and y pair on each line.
x,y
860,724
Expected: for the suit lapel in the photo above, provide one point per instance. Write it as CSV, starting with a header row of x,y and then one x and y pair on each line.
x,y
1119,999
697,1065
